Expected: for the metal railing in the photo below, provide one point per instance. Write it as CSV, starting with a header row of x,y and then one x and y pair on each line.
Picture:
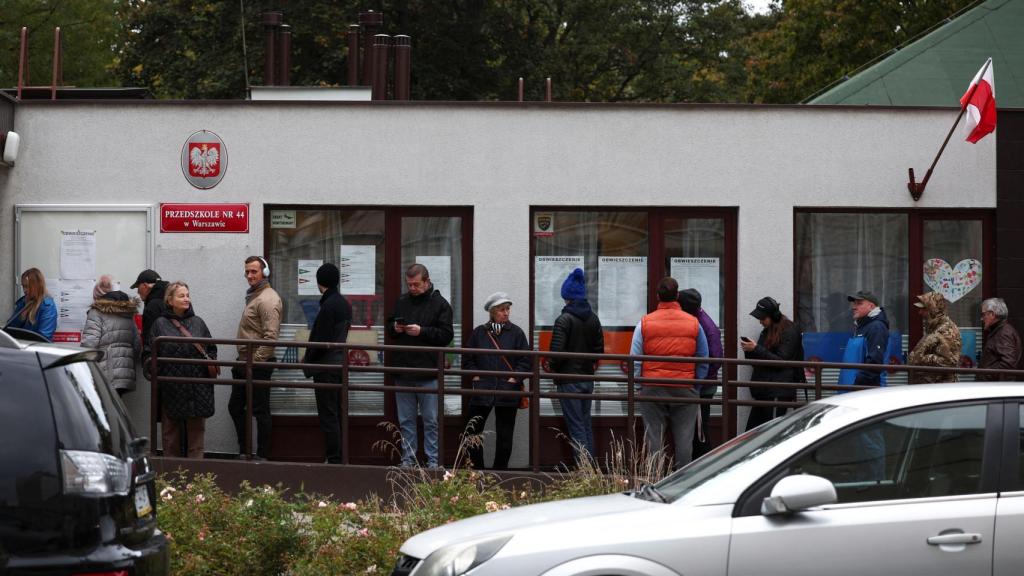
x,y
728,401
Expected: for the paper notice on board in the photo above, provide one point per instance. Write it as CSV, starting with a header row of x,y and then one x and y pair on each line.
x,y
548,274
440,269
358,267
307,277
621,289
73,300
78,254
702,274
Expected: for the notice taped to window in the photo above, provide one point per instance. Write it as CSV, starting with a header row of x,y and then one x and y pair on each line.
x,y
358,267
702,274
549,272
621,289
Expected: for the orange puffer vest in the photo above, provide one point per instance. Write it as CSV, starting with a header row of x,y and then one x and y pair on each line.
x,y
668,331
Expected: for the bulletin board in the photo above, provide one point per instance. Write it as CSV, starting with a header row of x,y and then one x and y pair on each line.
x,y
73,245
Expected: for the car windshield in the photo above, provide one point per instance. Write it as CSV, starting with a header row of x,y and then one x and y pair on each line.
x,y
743,448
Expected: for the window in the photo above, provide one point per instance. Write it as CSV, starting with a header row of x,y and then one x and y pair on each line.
x,y
932,453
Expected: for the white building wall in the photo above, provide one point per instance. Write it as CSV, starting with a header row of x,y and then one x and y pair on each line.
x,y
497,157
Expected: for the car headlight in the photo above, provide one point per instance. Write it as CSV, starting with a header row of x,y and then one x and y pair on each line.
x,y
457,559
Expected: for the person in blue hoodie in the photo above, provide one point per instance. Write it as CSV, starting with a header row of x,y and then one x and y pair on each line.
x,y
577,329
35,310
873,326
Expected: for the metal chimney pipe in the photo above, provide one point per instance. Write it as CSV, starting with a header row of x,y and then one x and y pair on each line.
x,y
270,21
370,22
58,63
381,43
23,77
284,55
403,67
521,89
547,89
353,55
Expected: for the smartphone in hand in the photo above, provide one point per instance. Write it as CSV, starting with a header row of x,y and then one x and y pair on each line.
x,y
745,339
400,321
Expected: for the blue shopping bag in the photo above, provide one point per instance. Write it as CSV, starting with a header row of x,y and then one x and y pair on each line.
x,y
854,354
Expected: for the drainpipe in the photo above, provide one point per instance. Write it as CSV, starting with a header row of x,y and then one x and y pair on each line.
x,y
271,20
370,22
284,55
353,55
381,43
403,67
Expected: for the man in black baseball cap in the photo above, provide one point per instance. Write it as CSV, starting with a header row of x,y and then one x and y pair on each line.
x,y
873,325
864,295
151,290
146,277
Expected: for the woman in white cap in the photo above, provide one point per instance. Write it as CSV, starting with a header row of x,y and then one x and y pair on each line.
x,y
496,334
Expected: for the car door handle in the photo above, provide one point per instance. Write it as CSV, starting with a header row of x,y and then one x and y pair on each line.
x,y
954,539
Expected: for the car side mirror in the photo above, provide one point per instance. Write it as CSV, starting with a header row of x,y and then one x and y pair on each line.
x,y
798,492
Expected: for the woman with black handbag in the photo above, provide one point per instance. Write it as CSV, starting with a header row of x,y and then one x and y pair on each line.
x,y
496,334
185,407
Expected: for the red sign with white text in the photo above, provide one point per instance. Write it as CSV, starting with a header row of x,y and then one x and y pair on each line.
x,y
204,218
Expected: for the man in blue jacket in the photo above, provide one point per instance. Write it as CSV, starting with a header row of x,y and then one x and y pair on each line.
x,y
873,325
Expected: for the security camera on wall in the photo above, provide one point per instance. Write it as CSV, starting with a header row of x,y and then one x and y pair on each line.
x,y
9,143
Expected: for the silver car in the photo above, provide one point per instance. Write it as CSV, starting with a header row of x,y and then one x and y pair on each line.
x,y
905,480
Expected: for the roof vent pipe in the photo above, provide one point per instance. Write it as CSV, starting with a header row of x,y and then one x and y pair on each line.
x,y
521,89
284,55
403,67
381,43
547,89
270,20
353,55
370,22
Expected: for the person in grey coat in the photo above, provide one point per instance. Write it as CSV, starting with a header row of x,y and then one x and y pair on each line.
x,y
110,327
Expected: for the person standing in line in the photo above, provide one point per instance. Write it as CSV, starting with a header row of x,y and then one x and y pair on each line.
x,y
422,317
498,333
1002,345
577,329
332,324
779,340
185,407
873,325
669,331
261,320
35,310
690,301
940,346
110,326
151,290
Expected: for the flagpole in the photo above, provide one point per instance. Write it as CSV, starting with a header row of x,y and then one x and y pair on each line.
x,y
917,189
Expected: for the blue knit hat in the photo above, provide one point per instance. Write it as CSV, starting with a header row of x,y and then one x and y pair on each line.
x,y
575,286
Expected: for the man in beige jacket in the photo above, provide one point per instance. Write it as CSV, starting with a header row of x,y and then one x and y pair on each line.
x,y
261,320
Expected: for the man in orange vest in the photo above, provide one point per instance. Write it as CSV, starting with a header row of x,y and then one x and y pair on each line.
x,y
668,331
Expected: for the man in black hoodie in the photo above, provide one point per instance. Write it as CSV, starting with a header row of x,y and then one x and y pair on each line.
x,y
331,325
422,317
151,290
577,329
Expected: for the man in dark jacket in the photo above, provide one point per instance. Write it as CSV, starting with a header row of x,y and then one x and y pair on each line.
x,y
1002,347
873,326
151,290
577,329
331,325
690,301
422,317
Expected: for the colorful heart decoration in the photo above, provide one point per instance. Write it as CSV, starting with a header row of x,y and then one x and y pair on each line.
x,y
952,283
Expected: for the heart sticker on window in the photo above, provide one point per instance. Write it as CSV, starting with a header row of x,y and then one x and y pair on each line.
x,y
952,282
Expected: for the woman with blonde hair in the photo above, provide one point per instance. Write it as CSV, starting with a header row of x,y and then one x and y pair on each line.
x,y
35,310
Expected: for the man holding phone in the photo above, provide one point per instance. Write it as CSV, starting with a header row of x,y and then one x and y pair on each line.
x,y
422,317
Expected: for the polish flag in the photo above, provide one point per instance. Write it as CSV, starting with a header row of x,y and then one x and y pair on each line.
x,y
980,102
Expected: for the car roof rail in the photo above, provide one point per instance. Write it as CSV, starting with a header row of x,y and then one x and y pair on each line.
x,y
27,335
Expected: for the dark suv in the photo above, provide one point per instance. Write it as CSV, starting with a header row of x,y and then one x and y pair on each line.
x,y
77,495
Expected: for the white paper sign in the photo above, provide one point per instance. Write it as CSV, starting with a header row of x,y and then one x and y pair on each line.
x,y
74,298
440,270
621,289
282,219
548,273
702,274
358,267
307,277
78,254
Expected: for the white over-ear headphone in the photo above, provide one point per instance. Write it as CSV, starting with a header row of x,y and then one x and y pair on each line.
x,y
266,267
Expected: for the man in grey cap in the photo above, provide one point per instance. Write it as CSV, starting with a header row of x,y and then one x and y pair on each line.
x,y
873,325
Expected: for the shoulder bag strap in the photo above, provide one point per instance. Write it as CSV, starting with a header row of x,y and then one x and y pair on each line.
x,y
184,332
498,347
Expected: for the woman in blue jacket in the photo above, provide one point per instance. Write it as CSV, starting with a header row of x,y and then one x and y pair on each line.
x,y
35,310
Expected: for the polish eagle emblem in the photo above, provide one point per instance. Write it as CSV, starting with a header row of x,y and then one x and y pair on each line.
x,y
204,160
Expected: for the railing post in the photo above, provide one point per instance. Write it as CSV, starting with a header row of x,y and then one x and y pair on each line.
x,y
248,402
817,382
630,402
535,415
344,404
728,428
440,410
154,414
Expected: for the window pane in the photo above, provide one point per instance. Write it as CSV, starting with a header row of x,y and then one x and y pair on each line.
x,y
921,455
436,242
952,265
695,256
353,240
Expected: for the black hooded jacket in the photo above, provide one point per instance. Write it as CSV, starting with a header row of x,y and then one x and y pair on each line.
x,y
577,329
434,315
331,325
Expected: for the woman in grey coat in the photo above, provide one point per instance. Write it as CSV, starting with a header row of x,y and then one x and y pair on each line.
x,y
110,326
